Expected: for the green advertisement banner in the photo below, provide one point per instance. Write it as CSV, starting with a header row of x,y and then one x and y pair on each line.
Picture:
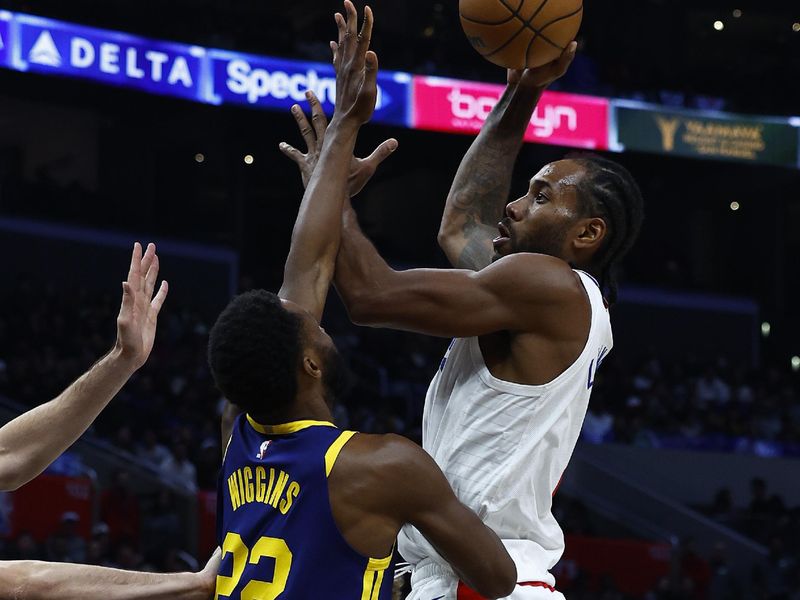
x,y
696,134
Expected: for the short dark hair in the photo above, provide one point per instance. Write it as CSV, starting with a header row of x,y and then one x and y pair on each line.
x,y
254,349
609,191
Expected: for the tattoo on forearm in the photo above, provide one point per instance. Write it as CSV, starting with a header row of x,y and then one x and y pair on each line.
x,y
481,187
476,254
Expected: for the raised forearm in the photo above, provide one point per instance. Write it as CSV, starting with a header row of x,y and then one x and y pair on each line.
x,y
32,441
316,234
361,274
481,187
33,580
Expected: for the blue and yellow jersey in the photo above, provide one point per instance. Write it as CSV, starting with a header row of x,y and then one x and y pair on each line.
x,y
275,526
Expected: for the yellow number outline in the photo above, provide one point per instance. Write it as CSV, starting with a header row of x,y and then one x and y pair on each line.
x,y
254,590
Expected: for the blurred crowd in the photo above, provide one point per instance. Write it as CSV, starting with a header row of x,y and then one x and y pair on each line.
x,y
768,520
704,405
168,414
167,417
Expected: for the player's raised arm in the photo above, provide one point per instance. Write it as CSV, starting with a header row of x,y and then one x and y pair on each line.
x,y
316,235
313,132
29,443
34,580
483,181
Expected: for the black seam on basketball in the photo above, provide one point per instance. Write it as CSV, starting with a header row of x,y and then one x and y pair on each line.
x,y
525,25
528,49
507,42
511,18
554,21
514,13
503,2
536,14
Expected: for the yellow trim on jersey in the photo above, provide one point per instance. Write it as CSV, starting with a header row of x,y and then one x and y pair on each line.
x,y
373,577
285,428
335,448
380,564
227,446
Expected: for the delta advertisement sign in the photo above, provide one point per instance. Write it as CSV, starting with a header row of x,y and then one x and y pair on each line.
x,y
52,47
451,105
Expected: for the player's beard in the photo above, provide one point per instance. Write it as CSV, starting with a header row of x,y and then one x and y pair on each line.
x,y
549,241
336,376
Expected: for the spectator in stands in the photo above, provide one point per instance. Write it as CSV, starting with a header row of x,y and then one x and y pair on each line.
x,y
119,509
759,503
98,551
721,509
65,545
711,390
25,548
724,584
152,451
180,469
161,526
607,589
694,568
598,426
178,560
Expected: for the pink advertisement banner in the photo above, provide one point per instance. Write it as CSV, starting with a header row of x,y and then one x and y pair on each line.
x,y
452,105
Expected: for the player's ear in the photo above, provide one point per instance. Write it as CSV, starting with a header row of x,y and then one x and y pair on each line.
x,y
312,366
591,233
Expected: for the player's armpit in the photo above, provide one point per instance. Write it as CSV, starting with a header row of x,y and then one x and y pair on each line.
x,y
516,293
418,491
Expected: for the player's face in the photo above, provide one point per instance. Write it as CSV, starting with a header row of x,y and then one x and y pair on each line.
x,y
336,376
541,220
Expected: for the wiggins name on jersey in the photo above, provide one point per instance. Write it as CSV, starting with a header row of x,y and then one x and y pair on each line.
x,y
274,521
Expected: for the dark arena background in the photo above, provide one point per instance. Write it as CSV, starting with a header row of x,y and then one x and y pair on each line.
x,y
685,481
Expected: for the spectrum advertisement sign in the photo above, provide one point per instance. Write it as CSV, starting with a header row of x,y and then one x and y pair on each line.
x,y
272,83
452,105
56,48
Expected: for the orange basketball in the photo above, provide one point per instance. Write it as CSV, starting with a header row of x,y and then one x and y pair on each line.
x,y
519,34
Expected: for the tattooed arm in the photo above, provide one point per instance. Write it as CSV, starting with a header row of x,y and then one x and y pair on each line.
x,y
480,189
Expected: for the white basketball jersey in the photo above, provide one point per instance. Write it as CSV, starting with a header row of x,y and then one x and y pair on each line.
x,y
504,446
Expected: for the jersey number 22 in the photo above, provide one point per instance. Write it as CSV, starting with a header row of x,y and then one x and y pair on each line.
x,y
255,589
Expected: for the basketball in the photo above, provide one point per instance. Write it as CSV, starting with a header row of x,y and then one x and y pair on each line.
x,y
520,34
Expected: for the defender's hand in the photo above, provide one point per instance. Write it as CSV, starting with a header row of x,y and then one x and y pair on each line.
x,y
138,315
356,67
543,76
361,169
208,576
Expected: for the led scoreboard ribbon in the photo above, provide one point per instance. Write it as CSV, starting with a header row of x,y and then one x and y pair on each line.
x,y
212,76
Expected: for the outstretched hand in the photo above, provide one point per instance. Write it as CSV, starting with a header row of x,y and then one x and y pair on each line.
x,y
138,315
356,66
313,132
541,77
